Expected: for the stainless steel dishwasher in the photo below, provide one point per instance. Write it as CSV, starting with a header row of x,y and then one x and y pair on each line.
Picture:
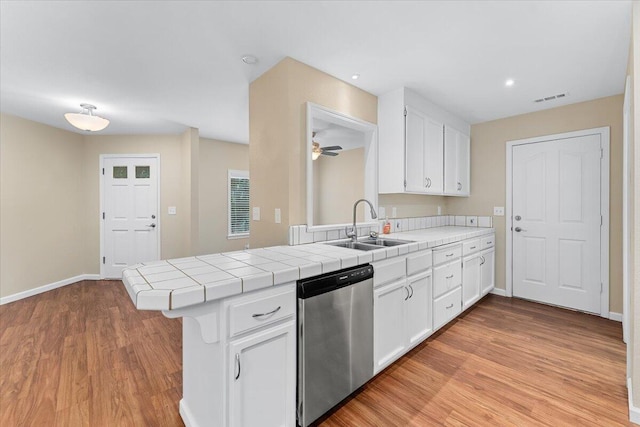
x,y
335,339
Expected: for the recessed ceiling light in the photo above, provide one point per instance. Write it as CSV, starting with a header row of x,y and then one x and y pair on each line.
x,y
509,83
355,76
249,59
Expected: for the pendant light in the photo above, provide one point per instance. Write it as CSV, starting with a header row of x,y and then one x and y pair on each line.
x,y
85,120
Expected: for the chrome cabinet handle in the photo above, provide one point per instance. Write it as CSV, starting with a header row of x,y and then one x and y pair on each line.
x,y
519,229
449,306
238,364
407,297
267,314
448,255
483,260
449,277
472,247
152,225
411,287
427,182
459,186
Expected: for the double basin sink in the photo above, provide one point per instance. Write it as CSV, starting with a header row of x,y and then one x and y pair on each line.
x,y
369,243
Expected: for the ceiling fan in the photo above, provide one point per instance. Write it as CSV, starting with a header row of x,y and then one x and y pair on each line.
x,y
316,150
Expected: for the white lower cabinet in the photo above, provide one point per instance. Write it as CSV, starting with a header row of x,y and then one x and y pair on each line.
x,y
471,277
418,308
402,317
262,377
487,270
388,323
446,307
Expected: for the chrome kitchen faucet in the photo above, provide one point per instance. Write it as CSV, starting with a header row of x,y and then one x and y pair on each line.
x,y
353,233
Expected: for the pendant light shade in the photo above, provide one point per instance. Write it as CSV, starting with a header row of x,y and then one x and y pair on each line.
x,y
85,120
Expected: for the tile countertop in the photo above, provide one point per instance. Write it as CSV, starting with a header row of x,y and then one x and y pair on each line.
x,y
177,283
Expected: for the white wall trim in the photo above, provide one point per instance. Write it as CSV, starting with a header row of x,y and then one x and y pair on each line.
x,y
49,287
615,316
604,133
500,292
634,411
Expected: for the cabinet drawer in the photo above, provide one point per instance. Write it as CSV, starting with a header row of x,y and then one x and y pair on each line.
x,y
447,277
447,307
246,314
418,262
488,242
470,246
448,254
389,269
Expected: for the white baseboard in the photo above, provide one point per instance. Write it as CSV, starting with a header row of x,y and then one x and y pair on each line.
x,y
498,291
49,287
615,316
185,413
634,411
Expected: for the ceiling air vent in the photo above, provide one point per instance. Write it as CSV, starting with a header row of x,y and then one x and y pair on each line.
x,y
552,97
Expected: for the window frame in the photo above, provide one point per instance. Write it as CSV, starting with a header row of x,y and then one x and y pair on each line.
x,y
237,174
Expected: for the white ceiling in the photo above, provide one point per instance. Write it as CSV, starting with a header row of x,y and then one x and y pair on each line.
x,y
160,66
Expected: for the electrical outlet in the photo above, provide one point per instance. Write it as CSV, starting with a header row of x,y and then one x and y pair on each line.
x,y
498,210
256,214
382,212
394,212
278,216
439,210
172,210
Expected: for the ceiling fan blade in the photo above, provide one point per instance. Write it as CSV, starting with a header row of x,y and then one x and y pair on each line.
x,y
329,153
332,148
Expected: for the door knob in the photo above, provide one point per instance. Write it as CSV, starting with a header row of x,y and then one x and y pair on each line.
x,y
152,225
518,229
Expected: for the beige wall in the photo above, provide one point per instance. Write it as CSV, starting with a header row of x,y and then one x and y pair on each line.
x,y
338,182
173,242
42,224
488,160
216,158
50,198
412,205
277,149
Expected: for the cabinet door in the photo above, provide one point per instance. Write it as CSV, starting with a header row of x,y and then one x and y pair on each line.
x,y
423,153
488,270
456,163
262,378
470,280
419,308
388,323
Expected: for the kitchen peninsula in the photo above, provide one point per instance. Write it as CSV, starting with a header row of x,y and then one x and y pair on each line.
x,y
239,310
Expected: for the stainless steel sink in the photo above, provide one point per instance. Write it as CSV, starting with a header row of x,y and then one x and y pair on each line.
x,y
369,243
355,245
384,242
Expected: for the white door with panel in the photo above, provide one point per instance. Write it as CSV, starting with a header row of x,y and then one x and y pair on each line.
x,y
129,212
457,152
556,222
262,378
424,145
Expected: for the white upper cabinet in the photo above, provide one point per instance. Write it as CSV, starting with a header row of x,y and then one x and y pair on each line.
x,y
424,151
456,162
411,146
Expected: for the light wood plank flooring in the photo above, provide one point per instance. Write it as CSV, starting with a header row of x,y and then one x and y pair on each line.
x,y
82,355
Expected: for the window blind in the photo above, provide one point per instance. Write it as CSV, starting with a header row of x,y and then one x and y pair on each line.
x,y
238,203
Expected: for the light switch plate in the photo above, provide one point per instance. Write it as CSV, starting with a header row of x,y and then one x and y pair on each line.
x,y
394,212
172,210
256,214
278,216
382,212
498,210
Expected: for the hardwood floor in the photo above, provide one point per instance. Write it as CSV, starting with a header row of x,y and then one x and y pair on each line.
x,y
82,355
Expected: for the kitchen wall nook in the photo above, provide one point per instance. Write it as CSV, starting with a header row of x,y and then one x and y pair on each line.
x,y
423,148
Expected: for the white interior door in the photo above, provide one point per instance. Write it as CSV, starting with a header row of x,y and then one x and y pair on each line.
x,y
556,222
130,212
